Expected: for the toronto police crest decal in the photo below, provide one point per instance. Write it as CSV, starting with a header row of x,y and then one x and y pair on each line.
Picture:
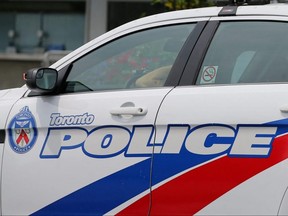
x,y
22,131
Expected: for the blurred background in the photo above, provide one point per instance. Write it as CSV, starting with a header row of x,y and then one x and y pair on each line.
x,y
36,33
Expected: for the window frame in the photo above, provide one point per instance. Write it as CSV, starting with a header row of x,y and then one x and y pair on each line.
x,y
193,67
179,63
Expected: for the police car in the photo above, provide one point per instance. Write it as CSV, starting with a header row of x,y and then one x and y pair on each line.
x,y
179,113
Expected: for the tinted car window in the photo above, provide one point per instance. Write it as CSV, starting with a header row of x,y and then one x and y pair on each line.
x,y
246,52
139,60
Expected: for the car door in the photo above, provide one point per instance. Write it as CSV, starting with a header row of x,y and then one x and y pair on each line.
x,y
88,148
223,149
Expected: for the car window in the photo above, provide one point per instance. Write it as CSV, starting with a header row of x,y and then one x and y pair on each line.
x,y
246,52
139,60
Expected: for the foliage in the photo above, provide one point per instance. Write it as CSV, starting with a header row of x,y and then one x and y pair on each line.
x,y
169,5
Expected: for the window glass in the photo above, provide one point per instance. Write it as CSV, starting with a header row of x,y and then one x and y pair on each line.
x,y
246,52
138,60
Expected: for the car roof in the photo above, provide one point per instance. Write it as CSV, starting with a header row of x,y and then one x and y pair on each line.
x,y
247,10
208,12
269,9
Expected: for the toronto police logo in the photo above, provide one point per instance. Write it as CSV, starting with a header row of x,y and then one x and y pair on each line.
x,y
22,131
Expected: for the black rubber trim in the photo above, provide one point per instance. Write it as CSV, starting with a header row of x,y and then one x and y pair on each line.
x,y
2,136
181,60
194,63
63,74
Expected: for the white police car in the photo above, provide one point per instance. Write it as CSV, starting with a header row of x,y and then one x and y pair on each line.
x,y
179,113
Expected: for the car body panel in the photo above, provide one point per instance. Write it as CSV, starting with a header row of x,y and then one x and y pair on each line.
x,y
79,158
179,149
229,175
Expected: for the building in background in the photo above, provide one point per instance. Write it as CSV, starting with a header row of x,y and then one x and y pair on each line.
x,y
31,25
36,33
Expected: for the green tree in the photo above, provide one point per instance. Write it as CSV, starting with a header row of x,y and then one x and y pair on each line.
x,y
170,5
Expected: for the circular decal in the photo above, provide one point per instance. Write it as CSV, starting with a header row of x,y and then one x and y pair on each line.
x,y
209,74
22,131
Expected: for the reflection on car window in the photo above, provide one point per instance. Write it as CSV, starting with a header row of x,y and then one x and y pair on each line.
x,y
138,60
246,52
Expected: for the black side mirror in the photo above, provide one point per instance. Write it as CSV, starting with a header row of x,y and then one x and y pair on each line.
x,y
42,80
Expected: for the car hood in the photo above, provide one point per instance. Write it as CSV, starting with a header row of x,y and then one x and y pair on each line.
x,y
14,93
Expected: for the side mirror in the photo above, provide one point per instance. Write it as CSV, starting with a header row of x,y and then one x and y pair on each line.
x,y
42,80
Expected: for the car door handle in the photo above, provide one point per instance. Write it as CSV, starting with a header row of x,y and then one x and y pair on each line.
x,y
134,111
284,109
